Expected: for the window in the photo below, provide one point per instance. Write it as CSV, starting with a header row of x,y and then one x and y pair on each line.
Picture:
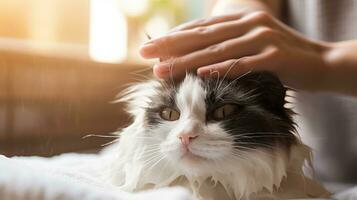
x,y
107,31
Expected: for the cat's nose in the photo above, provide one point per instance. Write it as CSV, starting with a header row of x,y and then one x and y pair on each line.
x,y
186,138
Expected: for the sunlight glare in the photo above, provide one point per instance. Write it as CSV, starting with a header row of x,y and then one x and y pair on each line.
x,y
108,32
134,7
157,26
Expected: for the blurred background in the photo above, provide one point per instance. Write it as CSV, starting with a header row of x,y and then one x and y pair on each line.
x,y
63,61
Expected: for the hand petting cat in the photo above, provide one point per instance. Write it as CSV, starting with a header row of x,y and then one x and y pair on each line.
x,y
237,43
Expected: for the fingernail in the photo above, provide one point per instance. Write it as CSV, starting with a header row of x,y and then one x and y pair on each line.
x,y
162,70
204,72
149,50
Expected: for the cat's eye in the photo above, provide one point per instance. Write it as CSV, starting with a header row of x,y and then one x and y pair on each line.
x,y
169,114
224,111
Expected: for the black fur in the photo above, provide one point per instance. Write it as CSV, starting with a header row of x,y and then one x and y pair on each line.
x,y
261,118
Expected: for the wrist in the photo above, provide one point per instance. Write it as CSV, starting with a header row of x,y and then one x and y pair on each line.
x,y
340,66
325,69
315,67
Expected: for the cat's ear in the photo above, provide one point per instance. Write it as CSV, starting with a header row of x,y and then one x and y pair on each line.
x,y
269,89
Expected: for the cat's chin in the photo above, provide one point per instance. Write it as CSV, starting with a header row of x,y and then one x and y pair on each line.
x,y
191,157
192,160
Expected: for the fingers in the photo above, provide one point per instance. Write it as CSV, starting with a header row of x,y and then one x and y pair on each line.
x,y
207,22
183,42
246,45
235,67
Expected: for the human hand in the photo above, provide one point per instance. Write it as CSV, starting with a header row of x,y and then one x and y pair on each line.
x,y
235,44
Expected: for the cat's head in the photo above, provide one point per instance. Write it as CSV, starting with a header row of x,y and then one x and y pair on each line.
x,y
200,123
236,132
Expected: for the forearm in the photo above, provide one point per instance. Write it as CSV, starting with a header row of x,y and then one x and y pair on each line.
x,y
227,6
341,62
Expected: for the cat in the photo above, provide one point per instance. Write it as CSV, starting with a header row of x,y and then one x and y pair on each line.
x,y
220,139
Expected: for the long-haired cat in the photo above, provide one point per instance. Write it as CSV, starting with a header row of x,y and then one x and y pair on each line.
x,y
221,139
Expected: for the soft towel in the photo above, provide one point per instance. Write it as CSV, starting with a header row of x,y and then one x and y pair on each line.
x,y
77,176
67,177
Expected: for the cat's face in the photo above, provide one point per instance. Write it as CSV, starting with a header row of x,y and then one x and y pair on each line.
x,y
200,123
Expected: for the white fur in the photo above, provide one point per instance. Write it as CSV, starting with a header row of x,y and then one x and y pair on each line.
x,y
146,158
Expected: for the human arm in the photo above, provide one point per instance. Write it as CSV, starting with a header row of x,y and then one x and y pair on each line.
x,y
341,60
237,43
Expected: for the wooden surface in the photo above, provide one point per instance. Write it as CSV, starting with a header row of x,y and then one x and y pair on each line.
x,y
48,103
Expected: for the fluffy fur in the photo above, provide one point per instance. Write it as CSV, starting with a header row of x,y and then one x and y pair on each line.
x,y
255,154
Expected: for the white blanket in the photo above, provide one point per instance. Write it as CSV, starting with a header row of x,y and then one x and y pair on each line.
x,y
66,177
75,176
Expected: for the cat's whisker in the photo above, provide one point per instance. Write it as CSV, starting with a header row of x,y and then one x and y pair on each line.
x,y
239,156
237,147
225,74
151,150
245,137
145,137
99,135
168,150
148,139
171,74
152,155
250,95
153,161
255,150
242,144
151,158
157,162
145,69
111,142
217,78
262,133
168,91
148,151
268,132
140,77
249,142
233,81
151,145
137,79
256,145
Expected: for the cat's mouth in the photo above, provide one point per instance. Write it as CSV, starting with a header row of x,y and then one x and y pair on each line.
x,y
188,155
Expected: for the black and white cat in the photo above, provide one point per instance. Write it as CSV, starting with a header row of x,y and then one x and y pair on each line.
x,y
221,139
